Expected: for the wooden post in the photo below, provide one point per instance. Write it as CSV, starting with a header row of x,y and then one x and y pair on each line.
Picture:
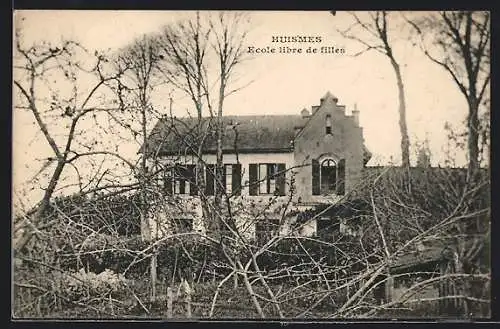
x,y
111,305
442,290
153,277
235,282
389,288
169,302
187,299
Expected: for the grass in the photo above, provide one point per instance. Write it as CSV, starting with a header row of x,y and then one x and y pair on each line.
x,y
232,302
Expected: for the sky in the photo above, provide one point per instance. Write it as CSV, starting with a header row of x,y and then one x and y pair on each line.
x,y
278,83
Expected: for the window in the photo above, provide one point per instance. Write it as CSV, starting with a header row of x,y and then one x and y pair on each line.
x,y
267,178
209,179
180,179
328,124
182,225
325,227
231,175
346,229
328,177
211,183
236,179
265,230
228,169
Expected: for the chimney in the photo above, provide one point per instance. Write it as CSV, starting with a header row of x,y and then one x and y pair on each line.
x,y
304,113
355,115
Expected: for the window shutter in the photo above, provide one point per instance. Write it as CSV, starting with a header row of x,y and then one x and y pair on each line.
x,y
315,177
270,175
253,174
221,184
341,177
281,179
191,173
180,176
167,181
236,179
209,184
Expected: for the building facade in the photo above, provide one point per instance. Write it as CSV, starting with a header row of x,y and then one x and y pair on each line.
x,y
310,158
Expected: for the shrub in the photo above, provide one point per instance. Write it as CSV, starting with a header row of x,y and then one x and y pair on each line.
x,y
84,285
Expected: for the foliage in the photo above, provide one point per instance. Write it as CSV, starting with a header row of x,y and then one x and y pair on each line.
x,y
116,213
83,285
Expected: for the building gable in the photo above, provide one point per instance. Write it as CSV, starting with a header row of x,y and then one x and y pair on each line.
x,y
329,138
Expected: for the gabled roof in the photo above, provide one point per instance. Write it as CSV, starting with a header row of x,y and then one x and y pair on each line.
x,y
407,261
255,133
329,95
242,134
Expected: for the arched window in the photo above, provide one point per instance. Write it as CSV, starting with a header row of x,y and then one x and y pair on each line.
x,y
328,176
328,124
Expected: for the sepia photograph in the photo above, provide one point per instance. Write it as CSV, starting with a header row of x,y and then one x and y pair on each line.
x,y
280,165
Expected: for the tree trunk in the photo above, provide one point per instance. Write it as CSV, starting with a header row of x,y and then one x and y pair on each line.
x,y
153,271
44,204
473,137
200,183
145,234
405,141
220,181
200,170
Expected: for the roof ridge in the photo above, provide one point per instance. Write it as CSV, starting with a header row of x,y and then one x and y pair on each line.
x,y
236,115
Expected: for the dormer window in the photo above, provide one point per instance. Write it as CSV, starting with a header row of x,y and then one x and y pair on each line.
x,y
328,124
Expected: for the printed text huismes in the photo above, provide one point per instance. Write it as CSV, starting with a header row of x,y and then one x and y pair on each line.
x,y
295,38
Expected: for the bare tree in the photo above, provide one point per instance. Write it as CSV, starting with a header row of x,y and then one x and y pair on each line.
x,y
139,63
185,68
201,57
228,46
47,84
461,46
373,33
333,273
